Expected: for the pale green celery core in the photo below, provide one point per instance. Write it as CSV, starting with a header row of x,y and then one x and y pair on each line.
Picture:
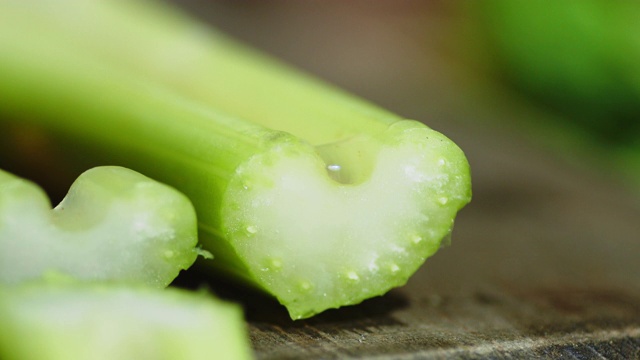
x,y
317,243
114,225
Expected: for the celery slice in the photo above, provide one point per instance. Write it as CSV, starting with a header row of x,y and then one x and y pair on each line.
x,y
65,321
307,193
114,224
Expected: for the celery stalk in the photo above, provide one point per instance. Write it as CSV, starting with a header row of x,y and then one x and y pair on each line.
x,y
66,321
302,191
114,225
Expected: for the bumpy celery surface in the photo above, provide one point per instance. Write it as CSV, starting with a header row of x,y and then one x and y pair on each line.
x,y
57,321
302,191
114,225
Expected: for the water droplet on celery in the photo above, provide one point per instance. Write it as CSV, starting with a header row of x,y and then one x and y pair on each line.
x,y
252,229
276,264
353,276
334,171
443,200
305,285
416,238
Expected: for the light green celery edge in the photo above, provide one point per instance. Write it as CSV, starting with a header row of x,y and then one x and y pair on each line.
x,y
136,82
60,320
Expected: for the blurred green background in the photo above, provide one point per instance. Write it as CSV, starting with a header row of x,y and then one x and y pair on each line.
x,y
576,60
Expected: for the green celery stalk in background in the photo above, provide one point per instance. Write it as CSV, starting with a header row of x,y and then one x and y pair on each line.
x,y
579,61
302,191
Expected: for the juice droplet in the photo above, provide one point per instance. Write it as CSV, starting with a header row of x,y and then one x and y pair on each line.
x,y
394,268
416,239
443,200
334,172
252,229
276,264
305,285
353,276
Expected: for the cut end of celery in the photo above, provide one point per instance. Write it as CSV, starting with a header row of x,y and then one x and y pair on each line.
x,y
65,321
114,224
315,242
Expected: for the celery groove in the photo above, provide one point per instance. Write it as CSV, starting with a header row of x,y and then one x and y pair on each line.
x,y
302,191
114,225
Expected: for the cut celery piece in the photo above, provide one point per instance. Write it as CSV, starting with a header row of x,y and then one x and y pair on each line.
x,y
94,322
302,191
317,242
114,224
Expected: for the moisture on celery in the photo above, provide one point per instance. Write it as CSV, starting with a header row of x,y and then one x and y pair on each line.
x,y
57,321
309,194
114,224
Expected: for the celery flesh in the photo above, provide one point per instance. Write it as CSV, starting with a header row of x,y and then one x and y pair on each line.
x,y
67,321
317,242
309,194
114,225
